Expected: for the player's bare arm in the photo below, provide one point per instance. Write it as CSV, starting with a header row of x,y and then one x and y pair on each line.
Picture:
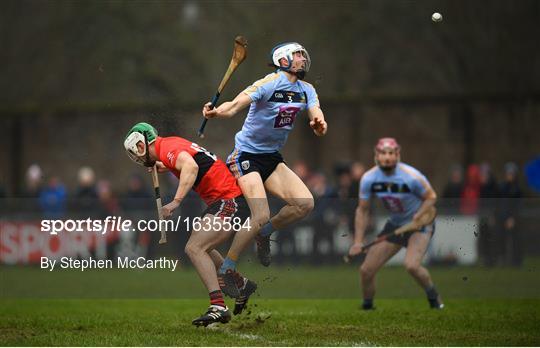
x,y
361,218
317,122
188,169
430,198
160,167
227,109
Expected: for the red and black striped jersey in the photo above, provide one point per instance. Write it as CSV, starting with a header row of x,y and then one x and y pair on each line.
x,y
214,181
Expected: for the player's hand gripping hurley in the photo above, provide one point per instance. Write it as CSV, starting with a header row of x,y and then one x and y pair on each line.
x,y
413,226
239,55
155,180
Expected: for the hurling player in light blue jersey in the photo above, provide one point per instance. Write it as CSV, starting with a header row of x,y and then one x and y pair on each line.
x,y
406,194
275,101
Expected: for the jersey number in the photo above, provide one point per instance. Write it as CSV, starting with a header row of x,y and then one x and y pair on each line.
x,y
203,150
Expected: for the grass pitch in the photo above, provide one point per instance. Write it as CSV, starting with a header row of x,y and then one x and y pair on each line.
x,y
272,322
294,306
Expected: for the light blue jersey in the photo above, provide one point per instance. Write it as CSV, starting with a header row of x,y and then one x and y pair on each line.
x,y
401,192
276,102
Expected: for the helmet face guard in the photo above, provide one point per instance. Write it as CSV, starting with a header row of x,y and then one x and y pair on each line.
x,y
130,144
141,132
287,51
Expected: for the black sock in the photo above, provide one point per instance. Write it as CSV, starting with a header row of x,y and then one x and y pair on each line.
x,y
368,303
432,293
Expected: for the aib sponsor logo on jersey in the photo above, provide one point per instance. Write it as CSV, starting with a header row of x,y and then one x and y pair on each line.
x,y
286,116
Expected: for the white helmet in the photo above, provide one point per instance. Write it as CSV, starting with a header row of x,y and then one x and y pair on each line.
x,y
286,50
141,132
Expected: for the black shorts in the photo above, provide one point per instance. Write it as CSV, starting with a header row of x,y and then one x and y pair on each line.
x,y
232,207
241,163
403,239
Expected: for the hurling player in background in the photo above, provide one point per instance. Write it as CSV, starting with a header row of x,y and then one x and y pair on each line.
x,y
275,102
208,176
406,194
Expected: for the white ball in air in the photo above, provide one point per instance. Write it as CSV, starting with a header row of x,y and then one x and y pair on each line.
x,y
436,17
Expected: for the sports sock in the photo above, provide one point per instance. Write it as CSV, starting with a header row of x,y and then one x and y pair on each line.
x,y
368,303
432,293
267,229
228,263
216,298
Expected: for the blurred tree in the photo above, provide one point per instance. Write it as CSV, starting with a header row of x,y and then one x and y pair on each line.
x,y
66,52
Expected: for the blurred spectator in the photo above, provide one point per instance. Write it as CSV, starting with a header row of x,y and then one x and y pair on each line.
x,y
357,171
137,196
344,205
453,189
138,203
344,180
471,191
86,197
488,184
108,204
33,182
532,173
510,241
52,199
322,219
488,227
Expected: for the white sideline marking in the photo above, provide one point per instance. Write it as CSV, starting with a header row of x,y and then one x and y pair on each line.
x,y
249,336
218,327
363,344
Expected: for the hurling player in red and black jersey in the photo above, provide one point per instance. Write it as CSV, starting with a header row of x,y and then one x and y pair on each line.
x,y
203,172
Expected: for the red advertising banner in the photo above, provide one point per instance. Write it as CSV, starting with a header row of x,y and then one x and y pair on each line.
x,y
26,243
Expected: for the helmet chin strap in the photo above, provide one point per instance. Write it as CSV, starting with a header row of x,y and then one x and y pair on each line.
x,y
300,74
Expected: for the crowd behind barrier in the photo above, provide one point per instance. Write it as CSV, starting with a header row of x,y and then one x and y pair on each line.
x,y
319,239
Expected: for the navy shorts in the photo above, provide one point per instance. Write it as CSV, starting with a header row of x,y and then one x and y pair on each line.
x,y
241,163
403,239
